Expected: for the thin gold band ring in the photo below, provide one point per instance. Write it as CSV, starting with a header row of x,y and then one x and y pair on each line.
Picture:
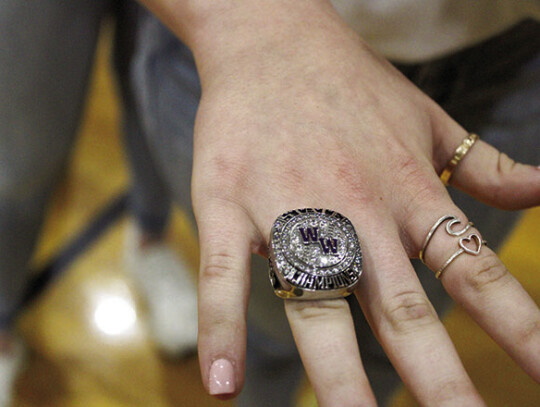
x,y
460,152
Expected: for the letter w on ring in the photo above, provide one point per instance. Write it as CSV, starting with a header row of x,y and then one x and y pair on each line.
x,y
311,235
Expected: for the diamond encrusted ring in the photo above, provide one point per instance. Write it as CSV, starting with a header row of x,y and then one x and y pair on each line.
x,y
314,254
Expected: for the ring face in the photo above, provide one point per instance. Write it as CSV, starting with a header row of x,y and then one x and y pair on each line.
x,y
314,253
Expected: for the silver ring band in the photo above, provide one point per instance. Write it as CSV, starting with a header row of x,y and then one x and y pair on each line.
x,y
462,247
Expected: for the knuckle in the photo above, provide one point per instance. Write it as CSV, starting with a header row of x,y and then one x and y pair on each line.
x,y
488,271
226,174
344,173
341,387
292,176
409,311
315,310
505,164
409,169
352,184
415,174
420,193
454,390
217,266
417,190
503,168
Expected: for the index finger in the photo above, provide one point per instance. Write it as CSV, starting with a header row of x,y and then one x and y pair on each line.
x,y
224,280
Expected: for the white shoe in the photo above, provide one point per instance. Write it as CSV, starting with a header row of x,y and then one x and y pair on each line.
x,y
167,287
11,364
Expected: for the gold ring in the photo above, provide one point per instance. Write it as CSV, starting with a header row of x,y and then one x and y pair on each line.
x,y
460,152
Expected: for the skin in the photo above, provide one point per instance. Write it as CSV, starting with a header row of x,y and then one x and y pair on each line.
x,y
298,112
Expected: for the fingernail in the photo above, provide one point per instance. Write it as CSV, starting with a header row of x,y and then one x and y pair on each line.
x,y
221,377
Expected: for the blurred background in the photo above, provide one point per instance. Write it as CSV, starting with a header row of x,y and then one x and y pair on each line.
x,y
84,322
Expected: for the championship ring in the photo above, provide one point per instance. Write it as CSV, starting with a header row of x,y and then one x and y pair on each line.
x,y
314,254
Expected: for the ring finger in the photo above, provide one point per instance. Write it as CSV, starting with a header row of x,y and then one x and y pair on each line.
x,y
324,334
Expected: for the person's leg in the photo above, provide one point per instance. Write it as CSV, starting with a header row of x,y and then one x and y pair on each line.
x,y
46,50
164,279
166,92
149,199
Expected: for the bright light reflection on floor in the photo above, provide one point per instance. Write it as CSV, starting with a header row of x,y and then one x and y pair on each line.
x,y
115,316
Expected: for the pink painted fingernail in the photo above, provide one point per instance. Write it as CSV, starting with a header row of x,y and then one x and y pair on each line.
x,y
221,379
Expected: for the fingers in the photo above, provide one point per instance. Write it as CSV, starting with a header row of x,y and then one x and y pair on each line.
x,y
479,282
324,334
408,328
492,177
225,234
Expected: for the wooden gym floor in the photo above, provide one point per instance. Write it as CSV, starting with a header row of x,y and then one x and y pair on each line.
x,y
73,364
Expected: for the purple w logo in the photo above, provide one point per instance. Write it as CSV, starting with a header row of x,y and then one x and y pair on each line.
x,y
311,235
330,245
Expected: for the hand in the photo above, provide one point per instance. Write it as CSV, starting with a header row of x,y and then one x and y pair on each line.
x,y
300,113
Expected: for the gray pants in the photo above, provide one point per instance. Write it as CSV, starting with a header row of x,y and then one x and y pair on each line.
x,y
493,90
46,55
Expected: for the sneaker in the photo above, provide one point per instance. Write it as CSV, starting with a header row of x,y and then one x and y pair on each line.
x,y
11,363
169,292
